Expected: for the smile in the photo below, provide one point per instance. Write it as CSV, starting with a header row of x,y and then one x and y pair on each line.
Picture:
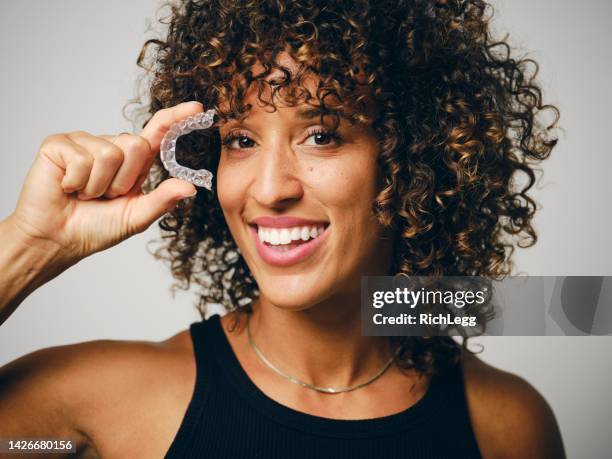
x,y
285,236
290,245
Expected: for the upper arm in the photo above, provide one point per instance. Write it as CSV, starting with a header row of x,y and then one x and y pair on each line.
x,y
94,393
511,419
37,397
531,421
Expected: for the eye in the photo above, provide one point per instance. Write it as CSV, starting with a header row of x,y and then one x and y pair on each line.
x,y
322,138
319,137
238,141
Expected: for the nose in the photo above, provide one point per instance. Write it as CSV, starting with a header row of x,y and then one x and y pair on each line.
x,y
277,183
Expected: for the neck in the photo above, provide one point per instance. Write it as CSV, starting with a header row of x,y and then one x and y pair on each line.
x,y
321,345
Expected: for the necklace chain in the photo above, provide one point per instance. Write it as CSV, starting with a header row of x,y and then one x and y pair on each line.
x,y
328,390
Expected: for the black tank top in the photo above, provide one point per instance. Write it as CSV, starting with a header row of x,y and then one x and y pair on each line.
x,y
230,417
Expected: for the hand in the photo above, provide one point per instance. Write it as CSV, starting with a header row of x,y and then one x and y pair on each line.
x,y
83,192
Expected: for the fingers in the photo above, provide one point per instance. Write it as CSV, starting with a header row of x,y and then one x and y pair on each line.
x,y
77,162
116,164
149,207
137,187
113,166
163,119
107,159
137,161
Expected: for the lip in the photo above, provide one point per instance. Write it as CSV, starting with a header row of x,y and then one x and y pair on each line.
x,y
285,222
291,256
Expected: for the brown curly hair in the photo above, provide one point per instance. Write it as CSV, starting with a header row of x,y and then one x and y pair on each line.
x,y
458,118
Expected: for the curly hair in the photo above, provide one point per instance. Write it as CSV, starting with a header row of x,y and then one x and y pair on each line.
x,y
458,119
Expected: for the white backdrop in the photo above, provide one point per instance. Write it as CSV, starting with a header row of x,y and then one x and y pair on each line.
x,y
70,65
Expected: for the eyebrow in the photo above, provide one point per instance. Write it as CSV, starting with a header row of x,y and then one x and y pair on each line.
x,y
304,113
309,113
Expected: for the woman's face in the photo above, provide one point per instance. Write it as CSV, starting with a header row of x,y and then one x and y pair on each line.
x,y
297,199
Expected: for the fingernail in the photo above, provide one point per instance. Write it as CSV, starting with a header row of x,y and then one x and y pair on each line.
x,y
196,102
190,195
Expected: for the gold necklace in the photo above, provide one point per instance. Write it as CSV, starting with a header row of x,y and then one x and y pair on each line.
x,y
328,390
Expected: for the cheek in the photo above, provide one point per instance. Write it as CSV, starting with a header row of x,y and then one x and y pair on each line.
x,y
229,189
347,187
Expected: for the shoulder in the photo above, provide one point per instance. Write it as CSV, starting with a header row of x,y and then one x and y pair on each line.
x,y
73,365
511,419
78,388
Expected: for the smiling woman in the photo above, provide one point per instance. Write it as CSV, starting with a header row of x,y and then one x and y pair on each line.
x,y
354,139
400,128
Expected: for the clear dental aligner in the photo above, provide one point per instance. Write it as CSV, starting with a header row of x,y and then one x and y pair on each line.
x,y
200,177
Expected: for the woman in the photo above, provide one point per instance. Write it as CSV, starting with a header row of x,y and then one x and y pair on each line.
x,y
353,139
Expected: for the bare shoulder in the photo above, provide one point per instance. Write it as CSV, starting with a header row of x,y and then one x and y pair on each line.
x,y
511,419
82,366
86,390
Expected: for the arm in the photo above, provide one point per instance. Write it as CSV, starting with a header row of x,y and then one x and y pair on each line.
x,y
26,263
112,398
40,398
65,213
511,419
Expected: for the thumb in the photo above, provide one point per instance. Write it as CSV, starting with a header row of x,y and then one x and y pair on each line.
x,y
149,207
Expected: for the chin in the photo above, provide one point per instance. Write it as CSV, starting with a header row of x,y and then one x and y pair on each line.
x,y
294,292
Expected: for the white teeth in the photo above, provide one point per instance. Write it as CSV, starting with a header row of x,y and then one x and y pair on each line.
x,y
274,238
284,236
295,233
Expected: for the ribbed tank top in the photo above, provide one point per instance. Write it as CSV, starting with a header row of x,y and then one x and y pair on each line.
x,y
228,416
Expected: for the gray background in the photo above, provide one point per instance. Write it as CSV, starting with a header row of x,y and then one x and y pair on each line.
x,y
70,65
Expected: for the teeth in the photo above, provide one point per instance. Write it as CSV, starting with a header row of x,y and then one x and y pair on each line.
x,y
274,237
284,236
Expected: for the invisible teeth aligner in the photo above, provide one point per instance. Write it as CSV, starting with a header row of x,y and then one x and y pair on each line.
x,y
200,177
